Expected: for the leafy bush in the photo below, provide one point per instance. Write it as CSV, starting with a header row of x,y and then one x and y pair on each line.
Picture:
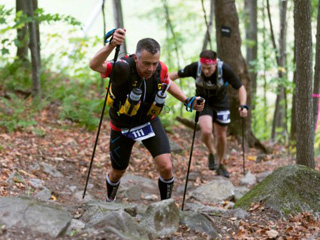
x,y
16,113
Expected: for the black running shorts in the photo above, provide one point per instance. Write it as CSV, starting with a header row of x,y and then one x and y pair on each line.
x,y
121,146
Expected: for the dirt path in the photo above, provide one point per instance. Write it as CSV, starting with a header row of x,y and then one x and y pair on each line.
x,y
68,149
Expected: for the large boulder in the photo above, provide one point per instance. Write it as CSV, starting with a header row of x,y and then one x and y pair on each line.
x,y
34,215
288,190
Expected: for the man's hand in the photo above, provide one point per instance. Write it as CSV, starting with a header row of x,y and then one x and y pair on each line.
x,y
243,110
196,106
118,37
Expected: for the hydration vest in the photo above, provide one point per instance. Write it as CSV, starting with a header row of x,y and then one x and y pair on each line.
x,y
208,89
117,103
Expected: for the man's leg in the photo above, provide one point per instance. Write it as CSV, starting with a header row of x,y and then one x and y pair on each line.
x,y
221,134
120,150
205,122
113,183
159,147
165,182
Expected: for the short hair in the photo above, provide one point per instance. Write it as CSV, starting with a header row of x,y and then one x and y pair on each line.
x,y
208,54
148,44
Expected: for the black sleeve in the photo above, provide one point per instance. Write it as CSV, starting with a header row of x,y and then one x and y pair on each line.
x,y
231,77
120,73
189,71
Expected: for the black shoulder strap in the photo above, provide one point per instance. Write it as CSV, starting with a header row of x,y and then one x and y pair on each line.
x,y
135,81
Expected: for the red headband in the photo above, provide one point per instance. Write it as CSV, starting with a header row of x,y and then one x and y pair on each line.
x,y
208,61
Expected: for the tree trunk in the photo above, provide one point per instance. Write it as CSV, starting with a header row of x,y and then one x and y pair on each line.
x,y
265,57
305,130
280,112
22,50
117,7
35,54
229,50
316,86
207,37
252,49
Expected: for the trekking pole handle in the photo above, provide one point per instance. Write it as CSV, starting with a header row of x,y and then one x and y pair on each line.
x,y
199,101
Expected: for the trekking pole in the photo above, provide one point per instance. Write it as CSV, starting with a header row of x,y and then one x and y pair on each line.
x,y
243,130
190,157
102,113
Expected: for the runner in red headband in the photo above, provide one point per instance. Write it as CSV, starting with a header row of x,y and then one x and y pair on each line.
x,y
212,77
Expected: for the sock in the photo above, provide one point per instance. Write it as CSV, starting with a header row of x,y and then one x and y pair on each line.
x,y
165,187
112,189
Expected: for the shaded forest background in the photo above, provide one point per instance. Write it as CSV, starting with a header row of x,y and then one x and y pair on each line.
x,y
45,56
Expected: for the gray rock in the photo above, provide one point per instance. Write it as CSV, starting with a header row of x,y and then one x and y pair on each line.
x,y
131,191
263,175
239,192
15,177
47,168
248,179
36,216
161,218
198,207
79,194
239,213
147,185
43,195
36,183
217,190
94,208
287,191
75,225
119,222
199,222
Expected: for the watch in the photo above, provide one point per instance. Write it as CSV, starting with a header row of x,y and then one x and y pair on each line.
x,y
245,106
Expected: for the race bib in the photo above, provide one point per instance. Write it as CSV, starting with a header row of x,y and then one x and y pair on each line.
x,y
139,133
223,116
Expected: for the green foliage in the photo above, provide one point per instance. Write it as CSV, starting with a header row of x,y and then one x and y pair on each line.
x,y
317,142
15,113
76,96
81,110
9,26
16,76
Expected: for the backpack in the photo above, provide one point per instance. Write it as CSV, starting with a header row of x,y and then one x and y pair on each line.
x,y
208,89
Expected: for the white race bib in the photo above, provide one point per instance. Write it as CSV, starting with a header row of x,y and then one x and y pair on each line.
x,y
139,133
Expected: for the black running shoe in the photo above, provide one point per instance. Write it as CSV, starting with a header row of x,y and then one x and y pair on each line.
x,y
223,171
211,162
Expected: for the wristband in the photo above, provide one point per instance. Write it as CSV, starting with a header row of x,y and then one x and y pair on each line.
x,y
244,106
186,101
189,103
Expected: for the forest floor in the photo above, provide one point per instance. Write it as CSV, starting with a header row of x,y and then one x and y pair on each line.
x,y
69,148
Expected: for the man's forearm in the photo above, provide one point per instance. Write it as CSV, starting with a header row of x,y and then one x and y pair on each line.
x,y
97,61
242,95
173,76
175,91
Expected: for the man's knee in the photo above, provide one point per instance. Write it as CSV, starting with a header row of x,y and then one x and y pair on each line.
x,y
164,165
115,174
206,132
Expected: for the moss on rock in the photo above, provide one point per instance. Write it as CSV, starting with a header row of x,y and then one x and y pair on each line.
x,y
288,190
